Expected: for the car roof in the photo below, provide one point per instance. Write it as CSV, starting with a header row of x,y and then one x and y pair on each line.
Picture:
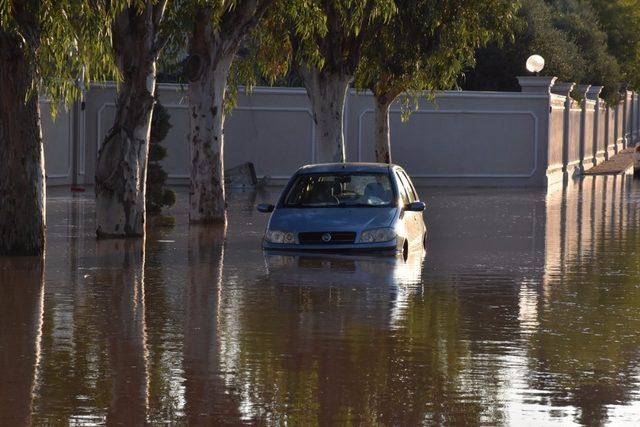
x,y
346,167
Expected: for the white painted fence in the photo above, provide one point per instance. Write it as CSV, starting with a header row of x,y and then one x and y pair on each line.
x,y
532,138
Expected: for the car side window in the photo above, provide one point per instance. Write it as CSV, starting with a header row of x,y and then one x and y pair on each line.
x,y
408,187
403,191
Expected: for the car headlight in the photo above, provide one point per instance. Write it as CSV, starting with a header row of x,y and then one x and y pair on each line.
x,y
277,236
378,235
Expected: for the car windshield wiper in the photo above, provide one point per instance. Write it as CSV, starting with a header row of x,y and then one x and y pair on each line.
x,y
358,205
306,205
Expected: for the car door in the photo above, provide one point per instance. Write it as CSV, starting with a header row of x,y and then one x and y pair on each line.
x,y
407,217
413,220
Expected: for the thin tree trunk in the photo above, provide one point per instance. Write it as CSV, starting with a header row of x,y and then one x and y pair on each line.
x,y
327,93
22,178
121,170
382,131
206,99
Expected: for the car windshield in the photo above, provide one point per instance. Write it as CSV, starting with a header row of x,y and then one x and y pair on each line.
x,y
340,190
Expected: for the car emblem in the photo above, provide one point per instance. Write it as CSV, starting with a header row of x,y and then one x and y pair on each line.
x,y
326,237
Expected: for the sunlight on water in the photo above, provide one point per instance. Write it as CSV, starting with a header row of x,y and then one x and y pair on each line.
x,y
525,309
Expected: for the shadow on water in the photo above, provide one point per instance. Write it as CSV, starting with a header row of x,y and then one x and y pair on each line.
x,y
526,307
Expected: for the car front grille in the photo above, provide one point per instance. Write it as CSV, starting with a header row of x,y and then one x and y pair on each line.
x,y
327,237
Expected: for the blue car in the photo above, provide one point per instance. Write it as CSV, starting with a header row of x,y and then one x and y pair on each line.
x,y
347,206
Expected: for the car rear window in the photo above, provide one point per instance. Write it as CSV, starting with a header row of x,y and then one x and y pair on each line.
x,y
340,190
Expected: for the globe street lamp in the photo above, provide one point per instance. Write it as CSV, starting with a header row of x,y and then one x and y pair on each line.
x,y
535,64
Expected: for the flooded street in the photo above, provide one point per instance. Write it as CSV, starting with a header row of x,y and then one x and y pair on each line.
x,y
525,309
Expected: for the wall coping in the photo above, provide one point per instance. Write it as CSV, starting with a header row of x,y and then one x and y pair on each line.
x,y
563,88
300,90
536,84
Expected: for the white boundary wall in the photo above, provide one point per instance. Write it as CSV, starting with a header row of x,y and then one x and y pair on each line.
x,y
523,139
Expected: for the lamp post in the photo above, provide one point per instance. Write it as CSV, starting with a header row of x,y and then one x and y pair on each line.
x,y
535,64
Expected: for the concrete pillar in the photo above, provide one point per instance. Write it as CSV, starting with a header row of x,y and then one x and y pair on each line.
x,y
536,84
625,117
593,94
632,119
564,89
637,116
618,133
581,91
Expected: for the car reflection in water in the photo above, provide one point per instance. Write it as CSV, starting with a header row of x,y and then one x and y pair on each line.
x,y
403,277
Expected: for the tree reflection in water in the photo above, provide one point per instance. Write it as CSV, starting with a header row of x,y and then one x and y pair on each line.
x,y
527,307
207,400
21,292
119,283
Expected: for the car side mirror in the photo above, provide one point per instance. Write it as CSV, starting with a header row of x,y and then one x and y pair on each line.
x,y
265,207
416,207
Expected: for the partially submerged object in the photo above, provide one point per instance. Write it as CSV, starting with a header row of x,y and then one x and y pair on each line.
x,y
241,176
347,206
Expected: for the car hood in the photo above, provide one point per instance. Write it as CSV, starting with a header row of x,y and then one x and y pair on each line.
x,y
331,219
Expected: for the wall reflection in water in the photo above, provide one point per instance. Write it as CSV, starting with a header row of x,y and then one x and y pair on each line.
x,y
587,344
526,305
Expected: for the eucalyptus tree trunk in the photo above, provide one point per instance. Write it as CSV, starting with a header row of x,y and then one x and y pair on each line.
x,y
121,169
208,73
327,93
22,178
382,131
212,49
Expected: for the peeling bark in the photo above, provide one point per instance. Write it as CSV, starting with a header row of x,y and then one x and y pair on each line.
x,y
206,102
121,169
22,177
212,50
382,131
327,93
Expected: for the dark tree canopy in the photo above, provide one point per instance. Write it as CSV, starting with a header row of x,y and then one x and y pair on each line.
x,y
567,33
620,20
427,43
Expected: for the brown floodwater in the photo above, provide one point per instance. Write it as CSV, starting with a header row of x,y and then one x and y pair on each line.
x,y
525,309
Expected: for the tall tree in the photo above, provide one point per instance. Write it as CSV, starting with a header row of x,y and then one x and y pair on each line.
x,y
566,33
44,46
425,46
216,34
327,38
620,20
22,184
121,168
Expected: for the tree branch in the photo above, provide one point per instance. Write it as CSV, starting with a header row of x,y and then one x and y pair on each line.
x,y
158,13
